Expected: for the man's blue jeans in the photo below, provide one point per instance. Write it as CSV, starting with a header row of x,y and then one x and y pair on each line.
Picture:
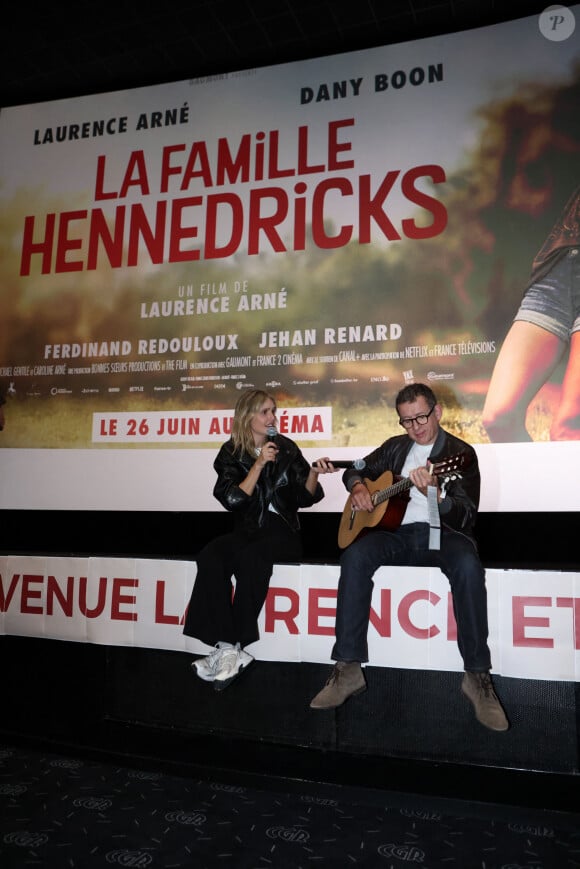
x,y
409,545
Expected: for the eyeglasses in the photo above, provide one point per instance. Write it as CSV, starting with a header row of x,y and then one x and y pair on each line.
x,y
420,419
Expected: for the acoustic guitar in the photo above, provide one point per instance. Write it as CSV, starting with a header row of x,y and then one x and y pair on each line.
x,y
390,496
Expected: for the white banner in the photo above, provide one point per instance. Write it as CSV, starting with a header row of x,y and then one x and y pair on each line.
x,y
534,615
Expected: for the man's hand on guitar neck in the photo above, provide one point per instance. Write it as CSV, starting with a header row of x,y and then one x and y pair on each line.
x,y
422,478
360,497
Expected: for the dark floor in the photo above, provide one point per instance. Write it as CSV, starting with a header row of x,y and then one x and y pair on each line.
x,y
80,810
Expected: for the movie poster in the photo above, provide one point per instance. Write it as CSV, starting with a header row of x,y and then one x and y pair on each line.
x,y
328,230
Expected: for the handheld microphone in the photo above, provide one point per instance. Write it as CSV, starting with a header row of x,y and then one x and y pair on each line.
x,y
357,464
272,435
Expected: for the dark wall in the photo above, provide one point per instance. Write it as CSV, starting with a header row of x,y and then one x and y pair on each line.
x,y
525,540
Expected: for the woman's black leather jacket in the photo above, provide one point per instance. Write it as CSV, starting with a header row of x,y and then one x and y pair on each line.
x,y
282,483
458,510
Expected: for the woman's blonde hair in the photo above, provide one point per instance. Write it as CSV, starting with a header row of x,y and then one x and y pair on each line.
x,y
249,403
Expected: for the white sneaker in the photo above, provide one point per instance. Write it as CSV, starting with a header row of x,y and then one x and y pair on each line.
x,y
231,664
207,667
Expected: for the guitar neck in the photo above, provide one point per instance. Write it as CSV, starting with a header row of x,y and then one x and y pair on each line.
x,y
450,465
395,489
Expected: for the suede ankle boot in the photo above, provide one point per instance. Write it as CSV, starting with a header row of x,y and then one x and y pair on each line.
x,y
346,680
478,688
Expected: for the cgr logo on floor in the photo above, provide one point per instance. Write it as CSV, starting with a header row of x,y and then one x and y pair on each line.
x,y
288,834
125,857
229,789
407,853
12,790
424,816
532,830
98,804
195,819
144,776
66,763
519,866
25,839
319,801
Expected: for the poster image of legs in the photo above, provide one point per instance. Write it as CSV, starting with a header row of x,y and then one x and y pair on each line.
x,y
328,230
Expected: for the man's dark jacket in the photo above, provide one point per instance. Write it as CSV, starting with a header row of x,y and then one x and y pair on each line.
x,y
458,510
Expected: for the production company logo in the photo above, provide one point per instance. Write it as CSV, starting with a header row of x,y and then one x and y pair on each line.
x,y
432,375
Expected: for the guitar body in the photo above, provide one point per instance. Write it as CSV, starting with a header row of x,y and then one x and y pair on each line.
x,y
390,496
389,514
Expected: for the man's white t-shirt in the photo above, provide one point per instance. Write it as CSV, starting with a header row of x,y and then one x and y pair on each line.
x,y
417,508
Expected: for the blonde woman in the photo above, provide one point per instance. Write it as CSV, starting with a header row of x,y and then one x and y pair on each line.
x,y
263,479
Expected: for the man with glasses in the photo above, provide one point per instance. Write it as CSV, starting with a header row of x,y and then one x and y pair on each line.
x,y
437,529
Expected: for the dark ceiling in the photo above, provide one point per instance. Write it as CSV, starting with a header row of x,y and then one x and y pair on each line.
x,y
65,49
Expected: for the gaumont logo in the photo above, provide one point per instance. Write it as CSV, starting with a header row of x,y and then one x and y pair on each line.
x,y
25,839
193,819
406,853
95,804
436,376
288,834
123,857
